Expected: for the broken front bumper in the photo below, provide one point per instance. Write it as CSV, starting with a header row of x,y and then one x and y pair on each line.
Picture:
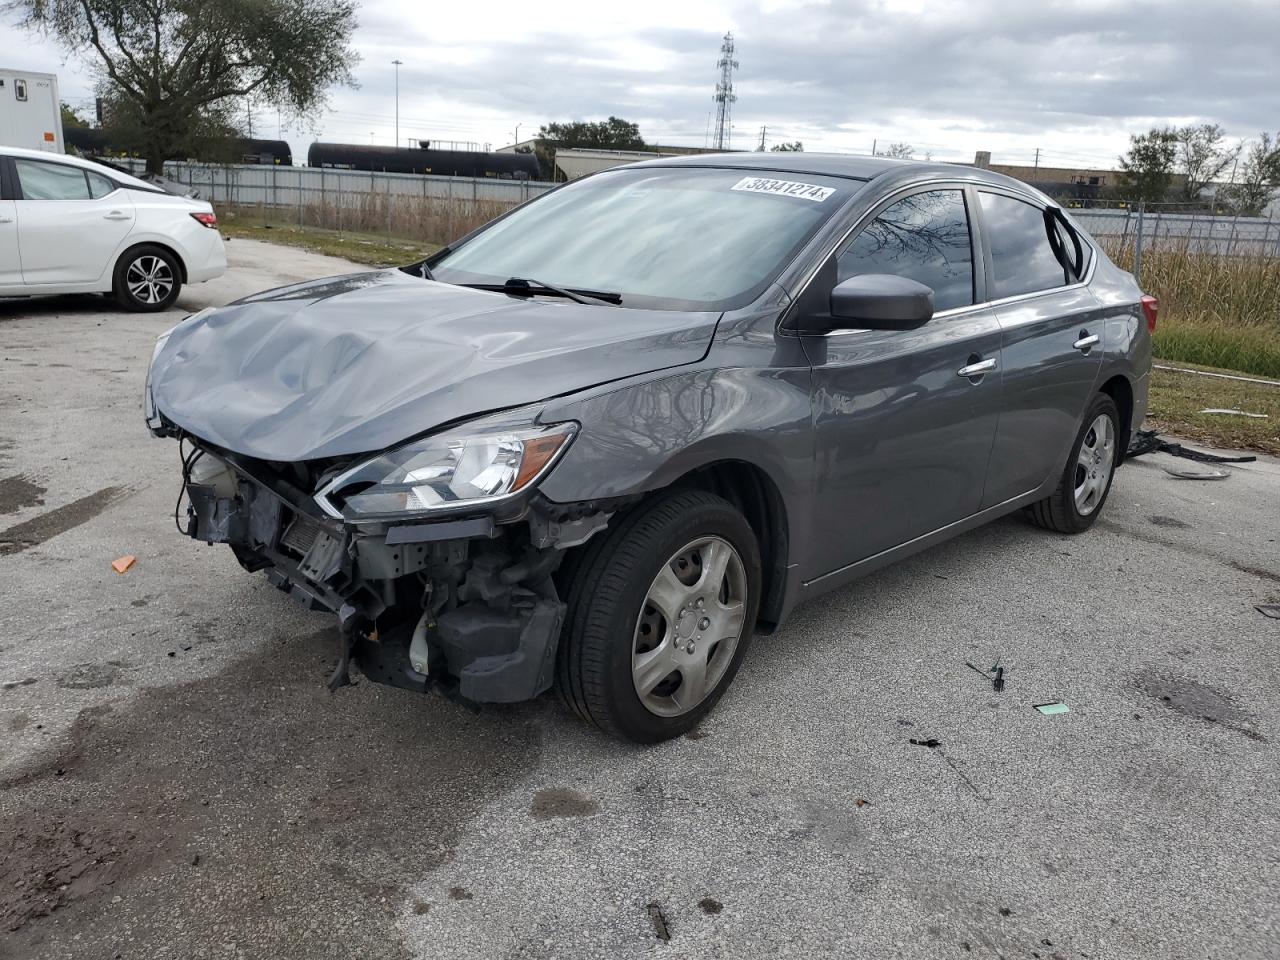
x,y
466,605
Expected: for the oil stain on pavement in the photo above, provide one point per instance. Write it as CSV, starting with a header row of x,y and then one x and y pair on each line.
x,y
242,813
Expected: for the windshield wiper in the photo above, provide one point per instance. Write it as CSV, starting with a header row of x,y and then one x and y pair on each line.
x,y
519,285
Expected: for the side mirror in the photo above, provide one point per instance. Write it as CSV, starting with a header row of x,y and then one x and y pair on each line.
x,y
881,301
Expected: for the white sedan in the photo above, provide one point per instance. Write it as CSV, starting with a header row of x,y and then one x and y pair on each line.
x,y
73,226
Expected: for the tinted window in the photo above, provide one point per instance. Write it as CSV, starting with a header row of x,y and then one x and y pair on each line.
x,y
1021,258
99,186
925,237
51,181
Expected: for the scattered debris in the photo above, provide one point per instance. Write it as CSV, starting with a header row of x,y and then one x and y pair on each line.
x,y
995,674
1148,441
931,743
861,803
1049,709
460,893
659,922
1195,475
1271,610
1236,413
710,905
122,564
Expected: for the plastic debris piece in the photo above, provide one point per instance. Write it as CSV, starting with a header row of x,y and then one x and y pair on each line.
x,y
1196,474
1049,709
931,743
1271,610
122,564
1235,413
659,921
861,803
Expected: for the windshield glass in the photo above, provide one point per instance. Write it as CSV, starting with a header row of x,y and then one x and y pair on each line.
x,y
670,238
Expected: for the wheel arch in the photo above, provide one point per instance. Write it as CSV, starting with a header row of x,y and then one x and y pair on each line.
x,y
166,247
1119,389
752,491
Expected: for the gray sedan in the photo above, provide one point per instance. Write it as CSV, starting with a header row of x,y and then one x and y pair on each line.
x,y
602,441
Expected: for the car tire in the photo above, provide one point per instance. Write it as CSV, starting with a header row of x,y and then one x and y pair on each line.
x,y
1086,480
147,279
617,638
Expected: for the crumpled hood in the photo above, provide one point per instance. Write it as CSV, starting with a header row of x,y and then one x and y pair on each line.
x,y
359,363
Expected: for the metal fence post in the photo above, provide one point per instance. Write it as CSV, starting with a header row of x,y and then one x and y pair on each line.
x,y
1137,243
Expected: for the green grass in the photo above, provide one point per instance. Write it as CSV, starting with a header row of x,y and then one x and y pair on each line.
x,y
376,250
1176,400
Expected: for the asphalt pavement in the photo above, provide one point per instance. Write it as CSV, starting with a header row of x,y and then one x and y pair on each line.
x,y
177,782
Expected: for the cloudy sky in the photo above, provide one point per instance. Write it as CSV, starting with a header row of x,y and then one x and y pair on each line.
x,y
1072,79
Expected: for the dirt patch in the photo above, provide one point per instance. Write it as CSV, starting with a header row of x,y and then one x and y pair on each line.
x,y
1199,701
19,492
1171,522
253,808
562,802
710,906
90,676
46,526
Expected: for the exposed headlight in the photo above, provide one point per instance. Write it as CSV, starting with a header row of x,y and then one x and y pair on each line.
x,y
478,463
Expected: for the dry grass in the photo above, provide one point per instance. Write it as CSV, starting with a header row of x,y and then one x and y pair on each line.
x,y
1177,398
1217,311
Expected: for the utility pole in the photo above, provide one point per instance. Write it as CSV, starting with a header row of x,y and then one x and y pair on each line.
x,y
397,64
517,139
725,96
248,106
761,147
873,147
1036,172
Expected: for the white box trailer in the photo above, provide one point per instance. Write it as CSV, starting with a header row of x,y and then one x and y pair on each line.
x,y
30,112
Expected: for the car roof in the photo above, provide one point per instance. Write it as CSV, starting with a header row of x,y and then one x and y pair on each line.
x,y
124,179
850,166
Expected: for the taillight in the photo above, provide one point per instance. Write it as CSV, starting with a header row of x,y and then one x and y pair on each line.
x,y
1150,306
209,220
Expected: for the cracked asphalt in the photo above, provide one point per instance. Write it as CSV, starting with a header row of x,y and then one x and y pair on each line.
x,y
176,781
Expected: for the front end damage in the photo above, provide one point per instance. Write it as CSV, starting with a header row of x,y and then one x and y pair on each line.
x,y
466,605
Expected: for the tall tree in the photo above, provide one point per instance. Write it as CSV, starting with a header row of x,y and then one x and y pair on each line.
x,y
900,151
170,64
1203,157
71,117
1147,169
611,134
1259,176
794,146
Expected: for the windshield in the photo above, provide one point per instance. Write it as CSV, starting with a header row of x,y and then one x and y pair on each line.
x,y
670,238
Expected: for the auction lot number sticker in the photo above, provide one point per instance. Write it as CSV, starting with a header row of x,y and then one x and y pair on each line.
x,y
784,188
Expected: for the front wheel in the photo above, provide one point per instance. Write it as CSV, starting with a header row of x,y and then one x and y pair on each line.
x,y
147,279
660,614
1086,481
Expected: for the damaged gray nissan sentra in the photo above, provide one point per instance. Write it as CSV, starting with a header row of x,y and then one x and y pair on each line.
x,y
601,441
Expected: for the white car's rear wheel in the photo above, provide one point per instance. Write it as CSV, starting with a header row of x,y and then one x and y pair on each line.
x,y
147,279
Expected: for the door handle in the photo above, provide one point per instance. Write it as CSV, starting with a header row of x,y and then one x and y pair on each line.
x,y
116,215
977,369
1086,341
6,219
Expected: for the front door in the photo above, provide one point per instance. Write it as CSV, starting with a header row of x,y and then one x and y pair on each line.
x,y
902,436
71,222
10,262
1051,350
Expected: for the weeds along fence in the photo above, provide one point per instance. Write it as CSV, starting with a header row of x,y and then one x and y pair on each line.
x,y
400,205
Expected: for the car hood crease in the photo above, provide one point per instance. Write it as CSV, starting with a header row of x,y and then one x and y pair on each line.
x,y
359,363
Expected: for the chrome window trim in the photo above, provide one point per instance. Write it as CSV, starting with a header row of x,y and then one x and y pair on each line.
x,y
944,182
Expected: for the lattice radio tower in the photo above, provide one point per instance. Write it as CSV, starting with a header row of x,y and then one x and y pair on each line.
x,y
725,96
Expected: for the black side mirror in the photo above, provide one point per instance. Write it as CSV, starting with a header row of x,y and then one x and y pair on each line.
x,y
881,301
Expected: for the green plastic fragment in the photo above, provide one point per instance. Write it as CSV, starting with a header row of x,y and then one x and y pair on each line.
x,y
1049,709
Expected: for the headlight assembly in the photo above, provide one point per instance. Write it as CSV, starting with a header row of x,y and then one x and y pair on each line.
x,y
474,464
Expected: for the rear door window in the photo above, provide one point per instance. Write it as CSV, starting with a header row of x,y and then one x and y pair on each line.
x,y
1022,258
924,237
51,181
99,186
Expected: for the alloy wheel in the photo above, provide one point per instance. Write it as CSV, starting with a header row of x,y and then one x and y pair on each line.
x,y
149,279
1093,464
689,626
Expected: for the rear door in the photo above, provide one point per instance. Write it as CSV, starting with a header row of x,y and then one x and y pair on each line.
x,y
902,438
71,222
10,262
1051,347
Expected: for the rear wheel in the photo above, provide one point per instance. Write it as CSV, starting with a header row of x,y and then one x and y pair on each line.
x,y
660,614
1086,480
147,279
